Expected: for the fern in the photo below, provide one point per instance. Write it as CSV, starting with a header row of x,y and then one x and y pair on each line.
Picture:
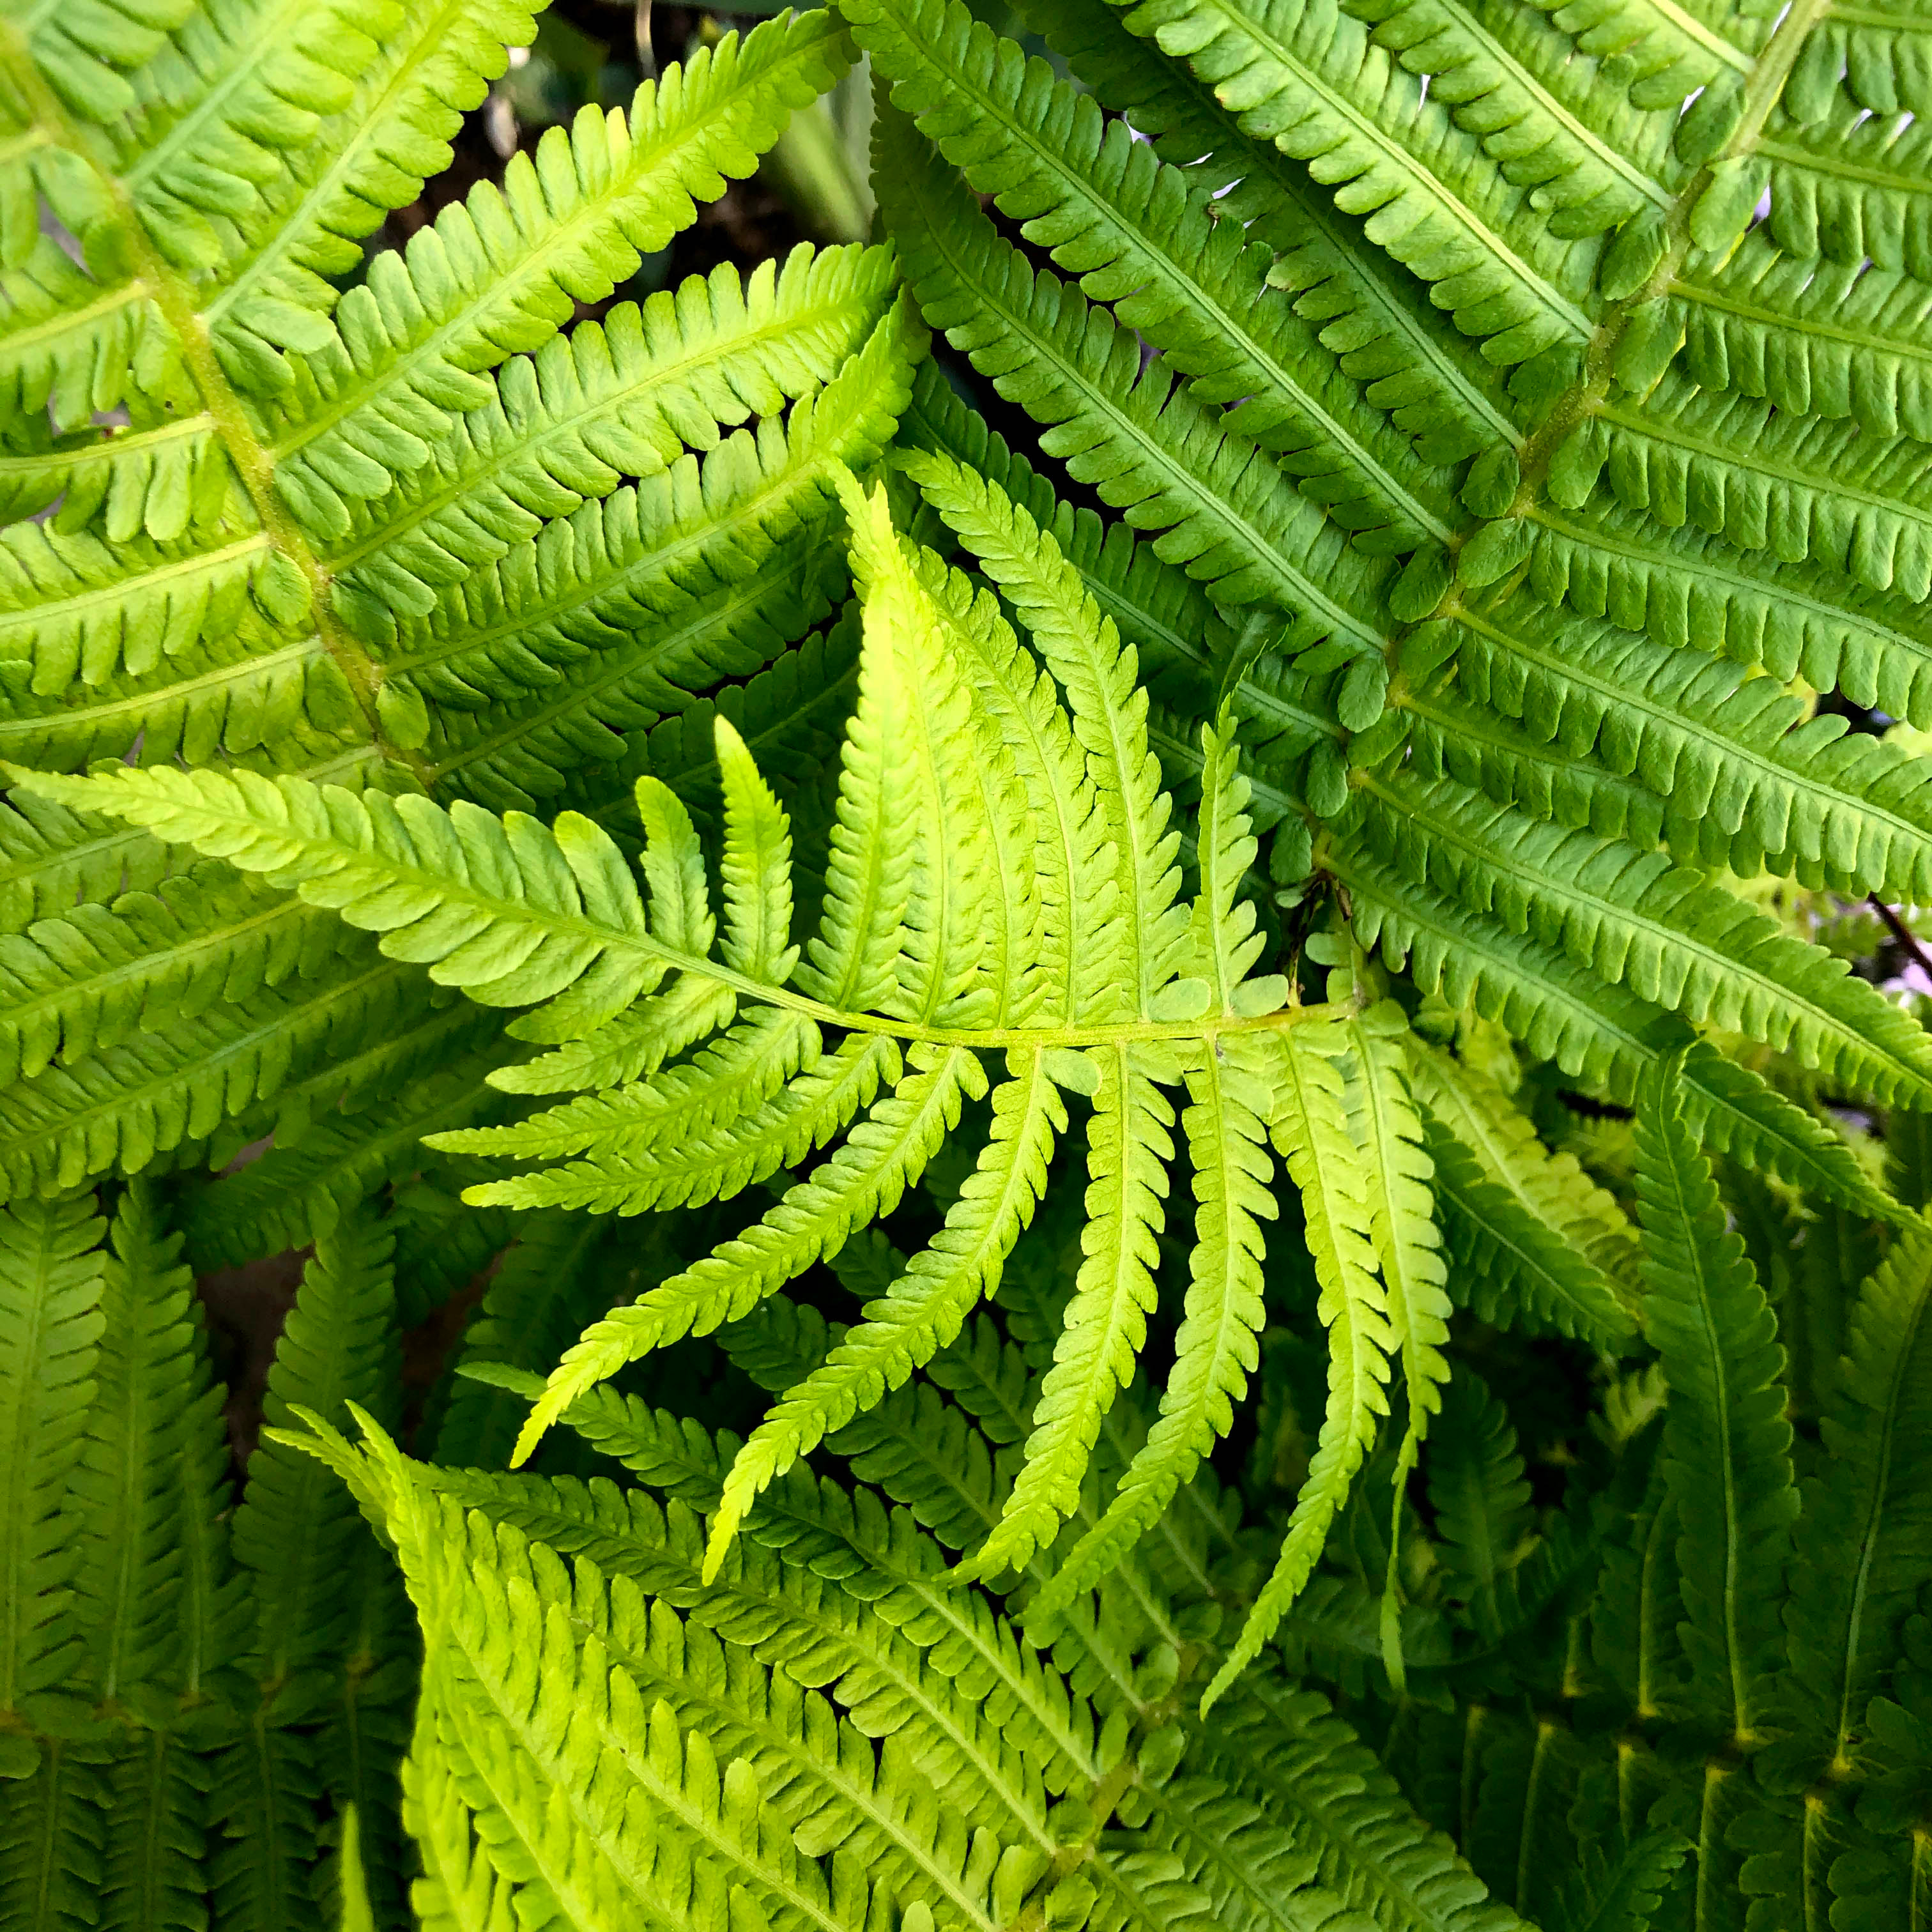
x,y
1306,917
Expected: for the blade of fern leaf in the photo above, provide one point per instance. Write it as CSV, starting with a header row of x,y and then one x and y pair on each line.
x,y
1479,1499
1669,934
865,1178
259,691
1074,948
840,1803
1564,1245
1282,1749
483,281
1370,314
52,1276
1400,1178
619,399
1867,1502
53,858
1732,754
924,1308
1835,495
953,910
1689,588
1223,510
154,1873
631,1046
1225,1126
79,610
729,1078
1137,233
295,1050
297,1530
1596,1031
756,867
1776,326
995,1726
575,738
1311,1130
1294,73
853,963
638,1173
1726,1444
128,1510
505,908
574,595
1109,710
673,864
1128,1148
1156,606
333,175
52,1829
81,983
1217,1347
460,1889
489,1602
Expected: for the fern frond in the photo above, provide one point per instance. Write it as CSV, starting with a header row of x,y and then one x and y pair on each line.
x,y
1400,1175
1224,511
1284,1747
623,399
150,1399
1599,1032
1368,312
78,985
1225,1128
1128,1147
296,1530
1818,338
1309,77
1850,1584
1136,232
53,1276
1742,771
156,1840
925,1308
1312,1130
500,275
487,1597
1801,486
731,1077
628,1178
52,1833
1665,933
1084,651
1531,1219
1726,1444
52,859
862,1180
1686,588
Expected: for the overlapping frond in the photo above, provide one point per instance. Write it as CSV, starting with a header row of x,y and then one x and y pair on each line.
x,y
1727,1469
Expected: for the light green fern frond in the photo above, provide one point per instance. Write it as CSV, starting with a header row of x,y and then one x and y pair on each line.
x,y
1313,1132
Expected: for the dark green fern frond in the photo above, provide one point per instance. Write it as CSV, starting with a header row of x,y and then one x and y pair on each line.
x,y
1726,1444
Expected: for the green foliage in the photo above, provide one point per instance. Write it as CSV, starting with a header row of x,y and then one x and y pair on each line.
x,y
1146,1160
